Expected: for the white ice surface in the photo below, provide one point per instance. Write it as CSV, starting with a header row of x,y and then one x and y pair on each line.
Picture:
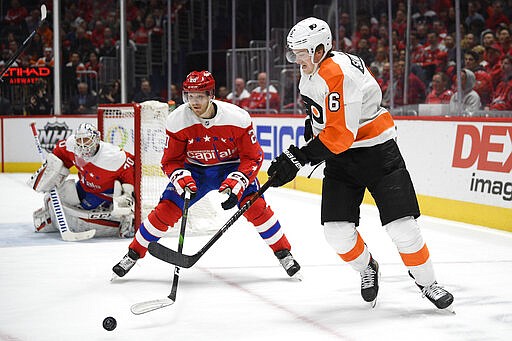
x,y
55,290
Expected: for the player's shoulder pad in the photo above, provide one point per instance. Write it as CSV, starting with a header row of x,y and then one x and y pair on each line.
x,y
180,118
230,114
109,157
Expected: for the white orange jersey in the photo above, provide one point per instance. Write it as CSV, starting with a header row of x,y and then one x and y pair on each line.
x,y
343,100
97,174
228,137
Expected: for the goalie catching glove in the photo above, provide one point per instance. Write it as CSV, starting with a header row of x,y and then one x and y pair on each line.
x,y
286,166
51,174
122,199
182,179
234,185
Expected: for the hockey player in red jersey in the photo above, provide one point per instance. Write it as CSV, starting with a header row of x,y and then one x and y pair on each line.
x,y
211,145
102,199
355,136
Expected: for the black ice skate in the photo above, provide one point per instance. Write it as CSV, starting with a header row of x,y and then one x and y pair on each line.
x,y
436,294
128,261
289,263
370,282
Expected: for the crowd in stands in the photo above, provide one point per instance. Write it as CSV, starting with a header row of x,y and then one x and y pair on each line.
x,y
90,30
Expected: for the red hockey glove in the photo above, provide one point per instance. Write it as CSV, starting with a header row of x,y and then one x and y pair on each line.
x,y
181,179
286,166
234,185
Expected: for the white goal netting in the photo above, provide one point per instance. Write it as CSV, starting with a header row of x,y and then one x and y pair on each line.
x,y
140,130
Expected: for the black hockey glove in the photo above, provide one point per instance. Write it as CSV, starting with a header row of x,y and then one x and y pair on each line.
x,y
286,166
308,130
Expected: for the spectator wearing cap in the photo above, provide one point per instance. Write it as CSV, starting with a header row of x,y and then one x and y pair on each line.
x,y
502,96
493,56
487,38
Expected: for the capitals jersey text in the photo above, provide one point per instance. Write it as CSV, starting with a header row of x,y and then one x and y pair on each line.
x,y
228,137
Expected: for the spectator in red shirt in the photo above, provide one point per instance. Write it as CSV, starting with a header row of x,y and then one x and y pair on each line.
x,y
493,58
441,92
496,15
504,40
97,33
434,58
416,88
502,96
258,97
16,13
141,36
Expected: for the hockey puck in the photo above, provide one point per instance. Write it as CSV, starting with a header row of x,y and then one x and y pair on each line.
x,y
109,323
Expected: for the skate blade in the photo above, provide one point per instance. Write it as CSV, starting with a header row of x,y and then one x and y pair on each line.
x,y
114,277
297,276
373,303
450,309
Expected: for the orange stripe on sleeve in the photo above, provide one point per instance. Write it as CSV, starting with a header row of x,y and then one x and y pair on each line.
x,y
356,251
376,127
416,258
335,136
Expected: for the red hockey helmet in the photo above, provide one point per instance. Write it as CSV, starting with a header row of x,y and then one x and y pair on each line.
x,y
198,81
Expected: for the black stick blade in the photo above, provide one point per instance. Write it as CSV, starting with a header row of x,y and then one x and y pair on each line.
x,y
170,256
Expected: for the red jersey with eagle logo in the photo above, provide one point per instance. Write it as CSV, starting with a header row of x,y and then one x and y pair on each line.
x,y
228,137
97,174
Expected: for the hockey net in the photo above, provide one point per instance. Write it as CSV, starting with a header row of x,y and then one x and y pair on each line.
x,y
140,130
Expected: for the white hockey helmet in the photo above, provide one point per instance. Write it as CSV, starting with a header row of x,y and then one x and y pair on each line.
x,y
308,34
87,139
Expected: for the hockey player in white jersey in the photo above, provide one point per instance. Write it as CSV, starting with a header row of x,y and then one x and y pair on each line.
x,y
349,130
102,198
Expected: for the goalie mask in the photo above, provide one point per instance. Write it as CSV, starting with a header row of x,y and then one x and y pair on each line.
x,y
307,35
87,139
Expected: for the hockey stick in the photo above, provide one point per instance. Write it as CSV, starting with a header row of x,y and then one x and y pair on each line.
x,y
145,307
25,43
177,258
65,232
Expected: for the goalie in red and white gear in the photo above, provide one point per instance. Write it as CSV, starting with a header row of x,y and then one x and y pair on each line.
x,y
101,199
211,146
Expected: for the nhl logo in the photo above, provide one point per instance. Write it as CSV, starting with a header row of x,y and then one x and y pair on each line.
x,y
52,133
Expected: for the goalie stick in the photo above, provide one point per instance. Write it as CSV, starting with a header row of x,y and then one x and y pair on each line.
x,y
145,307
177,258
25,43
65,232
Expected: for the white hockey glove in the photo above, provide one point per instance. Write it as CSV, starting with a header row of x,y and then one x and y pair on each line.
x,y
234,185
51,174
122,199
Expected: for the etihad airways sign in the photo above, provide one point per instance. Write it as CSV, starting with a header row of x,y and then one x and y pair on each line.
x,y
26,75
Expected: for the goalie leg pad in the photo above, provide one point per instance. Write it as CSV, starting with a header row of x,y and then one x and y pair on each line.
x,y
407,237
348,243
43,220
266,224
